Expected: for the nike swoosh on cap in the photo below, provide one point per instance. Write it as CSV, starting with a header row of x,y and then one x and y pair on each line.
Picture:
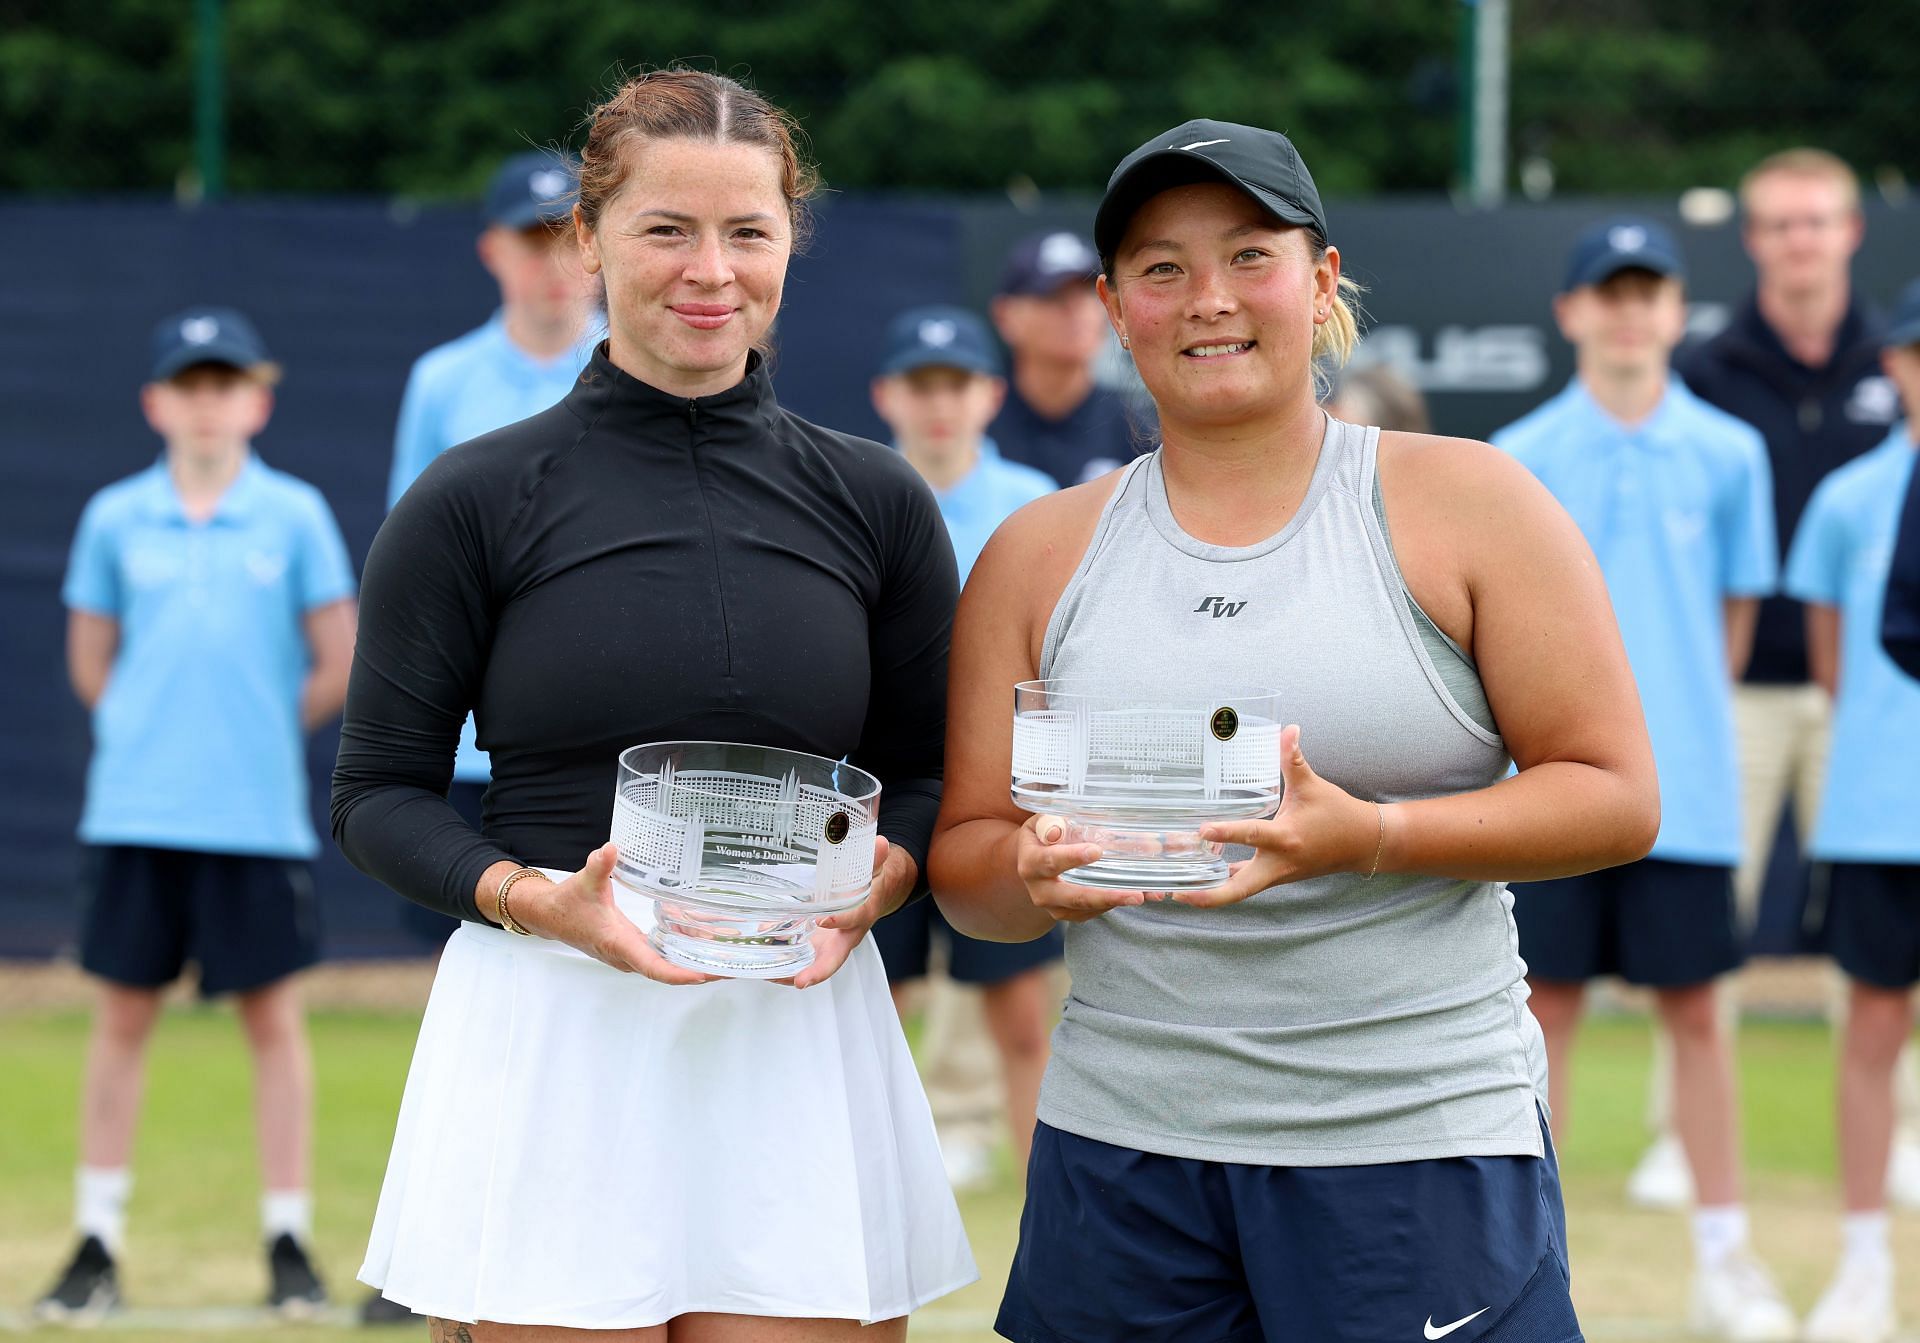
x,y
1446,1329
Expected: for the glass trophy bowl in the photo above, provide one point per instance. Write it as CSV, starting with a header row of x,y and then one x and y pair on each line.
x,y
1140,773
741,849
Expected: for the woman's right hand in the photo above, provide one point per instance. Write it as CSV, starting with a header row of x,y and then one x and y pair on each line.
x,y
1041,857
581,913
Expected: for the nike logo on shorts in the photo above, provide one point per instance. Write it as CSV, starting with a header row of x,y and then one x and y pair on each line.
x,y
1445,1329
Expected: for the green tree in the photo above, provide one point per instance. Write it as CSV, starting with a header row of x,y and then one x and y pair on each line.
x,y
422,97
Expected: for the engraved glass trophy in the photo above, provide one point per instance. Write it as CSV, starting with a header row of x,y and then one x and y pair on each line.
x,y
1139,773
741,848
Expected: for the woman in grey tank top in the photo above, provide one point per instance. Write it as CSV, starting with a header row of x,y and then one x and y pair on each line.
x,y
1307,1103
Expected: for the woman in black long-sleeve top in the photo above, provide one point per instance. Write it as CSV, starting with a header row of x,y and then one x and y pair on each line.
x,y
666,554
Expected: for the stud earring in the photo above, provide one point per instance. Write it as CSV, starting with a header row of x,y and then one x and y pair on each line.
x,y
1125,344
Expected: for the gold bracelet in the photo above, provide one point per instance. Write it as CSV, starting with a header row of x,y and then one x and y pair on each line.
x,y
506,919
1380,846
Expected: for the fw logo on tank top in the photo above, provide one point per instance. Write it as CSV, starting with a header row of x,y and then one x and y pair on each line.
x,y
1220,606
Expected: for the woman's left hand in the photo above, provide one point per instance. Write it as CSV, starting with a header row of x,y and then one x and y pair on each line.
x,y
894,873
1320,828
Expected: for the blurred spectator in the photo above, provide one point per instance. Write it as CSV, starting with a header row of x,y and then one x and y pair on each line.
x,y
1800,362
1868,832
1673,497
1056,417
1377,394
210,628
523,360
938,386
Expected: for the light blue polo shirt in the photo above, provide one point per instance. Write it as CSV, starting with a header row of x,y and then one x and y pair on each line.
x,y
1870,812
197,742
1679,511
984,498
461,390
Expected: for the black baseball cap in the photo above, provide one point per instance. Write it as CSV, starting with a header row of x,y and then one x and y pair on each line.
x,y
1905,326
938,336
1608,248
207,336
1262,163
538,187
1043,262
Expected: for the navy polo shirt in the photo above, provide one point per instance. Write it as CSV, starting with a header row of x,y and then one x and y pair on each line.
x,y
1813,420
1094,438
197,741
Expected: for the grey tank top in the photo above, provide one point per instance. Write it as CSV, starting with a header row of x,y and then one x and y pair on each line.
x,y
1335,1021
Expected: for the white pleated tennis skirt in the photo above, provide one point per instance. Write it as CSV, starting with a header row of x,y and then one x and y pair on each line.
x,y
586,1148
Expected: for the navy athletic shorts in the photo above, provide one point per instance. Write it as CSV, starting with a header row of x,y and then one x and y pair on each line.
x,y
246,921
1657,923
1117,1244
1873,922
905,936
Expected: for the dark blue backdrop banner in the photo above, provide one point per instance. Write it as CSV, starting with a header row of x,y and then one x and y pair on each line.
x,y
347,294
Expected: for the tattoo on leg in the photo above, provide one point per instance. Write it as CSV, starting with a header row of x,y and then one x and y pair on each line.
x,y
448,1331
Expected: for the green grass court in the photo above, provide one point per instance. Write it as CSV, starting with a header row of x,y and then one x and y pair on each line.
x,y
192,1256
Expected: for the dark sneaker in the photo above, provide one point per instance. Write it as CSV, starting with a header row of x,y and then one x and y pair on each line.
x,y
86,1291
297,1291
377,1310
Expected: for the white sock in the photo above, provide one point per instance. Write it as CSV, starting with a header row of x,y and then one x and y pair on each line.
x,y
1863,1238
287,1212
100,1204
1717,1233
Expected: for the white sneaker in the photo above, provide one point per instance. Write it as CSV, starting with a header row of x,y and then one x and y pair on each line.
x,y
1857,1307
1903,1173
1663,1181
969,1162
1737,1300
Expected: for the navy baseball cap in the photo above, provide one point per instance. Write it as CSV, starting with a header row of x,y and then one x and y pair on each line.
x,y
1040,264
538,187
939,337
1262,163
1606,249
1905,326
206,336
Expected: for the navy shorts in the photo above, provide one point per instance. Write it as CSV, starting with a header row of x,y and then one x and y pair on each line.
x,y
1119,1244
1656,923
1873,922
905,936
246,921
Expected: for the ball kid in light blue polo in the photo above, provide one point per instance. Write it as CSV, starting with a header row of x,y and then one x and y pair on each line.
x,y
993,488
1679,512
985,497
197,738
484,380
1870,809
